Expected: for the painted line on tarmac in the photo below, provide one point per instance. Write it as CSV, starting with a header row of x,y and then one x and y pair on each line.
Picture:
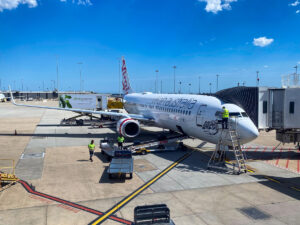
x,y
268,147
271,179
277,161
134,194
297,189
74,205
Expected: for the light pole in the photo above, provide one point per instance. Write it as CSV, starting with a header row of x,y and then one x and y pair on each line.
x,y
199,84
217,87
80,63
296,67
210,88
156,81
180,87
189,88
161,86
174,67
257,78
53,84
56,73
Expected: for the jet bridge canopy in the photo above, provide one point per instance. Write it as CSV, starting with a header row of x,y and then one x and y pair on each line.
x,y
269,108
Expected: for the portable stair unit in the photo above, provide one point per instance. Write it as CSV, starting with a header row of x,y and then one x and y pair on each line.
x,y
218,158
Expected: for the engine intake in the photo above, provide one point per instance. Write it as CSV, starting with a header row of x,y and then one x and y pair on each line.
x,y
128,127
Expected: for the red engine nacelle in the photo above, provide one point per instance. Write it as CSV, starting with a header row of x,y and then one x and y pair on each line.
x,y
128,127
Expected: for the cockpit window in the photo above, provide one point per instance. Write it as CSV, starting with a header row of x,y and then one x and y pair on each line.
x,y
235,114
244,114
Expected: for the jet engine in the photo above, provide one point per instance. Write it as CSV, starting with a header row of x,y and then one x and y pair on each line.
x,y
128,127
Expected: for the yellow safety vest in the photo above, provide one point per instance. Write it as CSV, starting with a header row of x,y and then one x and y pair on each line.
x,y
120,139
225,113
91,147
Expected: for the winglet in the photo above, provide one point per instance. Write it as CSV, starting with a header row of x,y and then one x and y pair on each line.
x,y
11,96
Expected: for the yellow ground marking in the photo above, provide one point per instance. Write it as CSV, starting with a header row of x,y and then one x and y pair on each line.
x,y
122,203
297,189
271,179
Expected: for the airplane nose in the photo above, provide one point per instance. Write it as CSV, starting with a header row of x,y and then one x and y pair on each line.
x,y
247,131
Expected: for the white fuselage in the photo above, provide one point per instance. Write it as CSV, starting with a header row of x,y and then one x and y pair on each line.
x,y
194,115
2,98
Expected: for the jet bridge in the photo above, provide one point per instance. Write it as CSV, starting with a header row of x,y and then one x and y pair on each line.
x,y
270,108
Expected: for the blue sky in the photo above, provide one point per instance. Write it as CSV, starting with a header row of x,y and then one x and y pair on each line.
x,y
233,38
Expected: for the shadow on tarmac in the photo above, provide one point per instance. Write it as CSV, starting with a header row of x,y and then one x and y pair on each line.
x,y
287,186
198,163
105,179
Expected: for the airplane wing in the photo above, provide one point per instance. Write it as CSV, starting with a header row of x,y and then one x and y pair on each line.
x,y
83,111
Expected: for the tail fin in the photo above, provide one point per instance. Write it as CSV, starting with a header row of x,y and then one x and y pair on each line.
x,y
125,82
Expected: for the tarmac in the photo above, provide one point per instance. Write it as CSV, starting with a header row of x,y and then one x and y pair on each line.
x,y
66,188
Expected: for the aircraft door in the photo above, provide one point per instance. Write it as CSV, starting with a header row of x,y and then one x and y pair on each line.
x,y
201,115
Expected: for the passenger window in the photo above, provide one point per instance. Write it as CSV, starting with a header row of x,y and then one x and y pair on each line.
x,y
292,107
265,107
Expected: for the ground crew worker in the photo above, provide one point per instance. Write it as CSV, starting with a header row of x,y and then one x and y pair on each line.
x,y
91,147
225,116
120,141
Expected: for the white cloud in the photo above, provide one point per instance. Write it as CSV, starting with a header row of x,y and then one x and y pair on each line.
x,y
84,2
12,4
81,2
262,41
215,6
299,62
298,11
295,3
266,66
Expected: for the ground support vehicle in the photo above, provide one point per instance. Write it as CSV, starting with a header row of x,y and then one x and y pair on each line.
x,y
121,164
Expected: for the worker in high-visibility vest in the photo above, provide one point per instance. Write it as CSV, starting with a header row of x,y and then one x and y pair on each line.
x,y
120,140
225,116
91,147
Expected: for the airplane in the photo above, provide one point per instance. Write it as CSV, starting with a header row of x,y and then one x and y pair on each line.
x,y
2,98
192,115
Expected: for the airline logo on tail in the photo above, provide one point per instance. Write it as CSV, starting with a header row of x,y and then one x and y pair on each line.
x,y
125,82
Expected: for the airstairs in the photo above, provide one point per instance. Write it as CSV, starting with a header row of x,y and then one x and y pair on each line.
x,y
218,159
